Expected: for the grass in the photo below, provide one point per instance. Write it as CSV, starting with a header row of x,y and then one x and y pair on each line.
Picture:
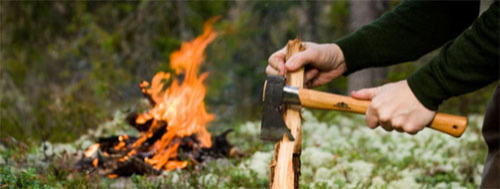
x,y
339,151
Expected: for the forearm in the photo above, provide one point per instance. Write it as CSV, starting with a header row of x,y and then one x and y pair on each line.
x,y
466,64
411,30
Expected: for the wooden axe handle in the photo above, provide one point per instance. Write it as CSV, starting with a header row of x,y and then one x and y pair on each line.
x,y
446,123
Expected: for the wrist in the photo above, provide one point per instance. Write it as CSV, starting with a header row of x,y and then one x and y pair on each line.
x,y
338,59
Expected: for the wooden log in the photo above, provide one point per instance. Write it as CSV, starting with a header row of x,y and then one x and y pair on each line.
x,y
285,165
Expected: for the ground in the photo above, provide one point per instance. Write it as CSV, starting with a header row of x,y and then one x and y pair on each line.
x,y
339,151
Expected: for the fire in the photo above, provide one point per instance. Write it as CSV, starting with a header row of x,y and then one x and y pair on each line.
x,y
178,119
180,107
95,162
113,176
121,143
92,150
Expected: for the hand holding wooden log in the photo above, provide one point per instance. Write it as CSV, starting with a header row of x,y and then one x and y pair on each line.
x,y
287,99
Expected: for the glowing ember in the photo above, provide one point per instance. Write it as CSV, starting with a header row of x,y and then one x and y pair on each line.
x,y
122,143
95,162
92,150
113,176
181,105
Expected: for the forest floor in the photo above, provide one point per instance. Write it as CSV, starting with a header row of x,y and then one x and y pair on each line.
x,y
338,152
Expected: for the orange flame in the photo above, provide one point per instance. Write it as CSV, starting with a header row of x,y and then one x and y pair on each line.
x,y
181,105
121,142
92,150
112,176
95,162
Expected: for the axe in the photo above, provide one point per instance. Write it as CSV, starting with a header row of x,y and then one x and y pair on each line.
x,y
276,94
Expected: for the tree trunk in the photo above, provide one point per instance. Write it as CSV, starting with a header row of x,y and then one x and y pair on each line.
x,y
361,13
181,14
308,26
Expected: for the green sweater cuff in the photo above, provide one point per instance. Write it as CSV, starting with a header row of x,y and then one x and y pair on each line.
x,y
353,47
426,86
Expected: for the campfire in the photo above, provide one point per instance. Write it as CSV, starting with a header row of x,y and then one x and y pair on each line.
x,y
174,131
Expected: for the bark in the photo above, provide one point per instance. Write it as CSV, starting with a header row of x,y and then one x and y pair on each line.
x,y
181,14
308,24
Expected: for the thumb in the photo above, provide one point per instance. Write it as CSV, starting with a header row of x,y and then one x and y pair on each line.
x,y
365,94
298,60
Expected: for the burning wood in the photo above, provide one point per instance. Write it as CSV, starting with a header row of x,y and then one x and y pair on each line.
x,y
174,132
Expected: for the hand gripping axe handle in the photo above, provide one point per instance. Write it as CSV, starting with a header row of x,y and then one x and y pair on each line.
x,y
277,94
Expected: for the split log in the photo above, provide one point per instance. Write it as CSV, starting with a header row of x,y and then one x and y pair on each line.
x,y
285,165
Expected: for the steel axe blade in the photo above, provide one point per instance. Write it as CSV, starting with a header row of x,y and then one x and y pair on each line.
x,y
273,127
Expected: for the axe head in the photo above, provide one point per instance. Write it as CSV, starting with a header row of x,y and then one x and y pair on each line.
x,y
273,127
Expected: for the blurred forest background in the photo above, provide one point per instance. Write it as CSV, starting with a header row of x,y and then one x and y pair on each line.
x,y
65,67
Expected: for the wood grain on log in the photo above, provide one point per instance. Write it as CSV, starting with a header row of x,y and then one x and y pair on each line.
x,y
285,165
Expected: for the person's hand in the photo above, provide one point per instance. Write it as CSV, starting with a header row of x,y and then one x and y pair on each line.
x,y
394,106
325,63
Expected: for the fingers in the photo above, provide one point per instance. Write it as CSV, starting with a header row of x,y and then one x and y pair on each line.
x,y
365,94
386,126
300,59
310,74
397,123
412,125
271,71
372,113
371,118
323,78
375,115
277,62
394,107
319,80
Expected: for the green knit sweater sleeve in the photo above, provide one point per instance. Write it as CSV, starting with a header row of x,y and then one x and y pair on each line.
x,y
411,30
469,62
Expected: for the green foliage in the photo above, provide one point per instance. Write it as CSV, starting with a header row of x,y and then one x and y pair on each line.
x,y
24,179
214,175
31,178
143,182
340,152
339,16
